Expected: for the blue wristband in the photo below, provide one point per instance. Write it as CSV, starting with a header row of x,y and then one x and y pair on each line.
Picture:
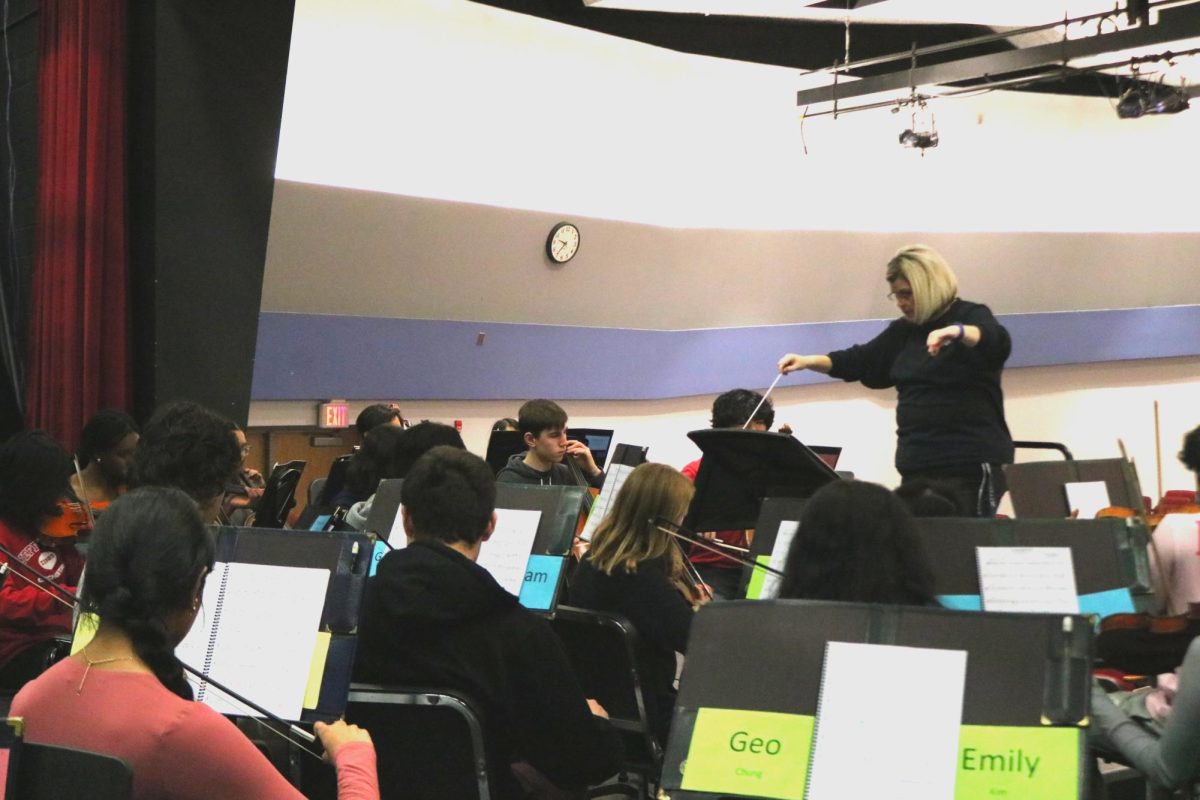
x,y
961,330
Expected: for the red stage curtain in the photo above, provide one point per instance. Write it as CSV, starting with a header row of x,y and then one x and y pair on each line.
x,y
79,343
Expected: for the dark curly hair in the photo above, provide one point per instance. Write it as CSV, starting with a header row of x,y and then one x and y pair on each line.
x,y
188,447
733,408
450,495
147,553
1190,454
103,432
857,543
35,472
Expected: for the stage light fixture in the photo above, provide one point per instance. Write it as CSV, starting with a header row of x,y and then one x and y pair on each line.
x,y
921,140
1142,99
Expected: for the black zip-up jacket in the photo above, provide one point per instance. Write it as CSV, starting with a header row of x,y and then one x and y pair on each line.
x,y
951,407
435,619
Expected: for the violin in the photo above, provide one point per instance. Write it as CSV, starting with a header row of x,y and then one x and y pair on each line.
x,y
1145,644
71,520
75,516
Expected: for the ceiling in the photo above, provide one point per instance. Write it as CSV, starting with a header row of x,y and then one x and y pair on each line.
x,y
812,35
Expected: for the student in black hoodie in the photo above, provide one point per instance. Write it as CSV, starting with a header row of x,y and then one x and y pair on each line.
x,y
432,617
543,425
944,356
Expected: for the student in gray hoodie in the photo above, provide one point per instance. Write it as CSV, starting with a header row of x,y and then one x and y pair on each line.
x,y
543,425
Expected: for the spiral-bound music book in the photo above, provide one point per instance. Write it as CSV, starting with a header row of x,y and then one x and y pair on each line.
x,y
256,633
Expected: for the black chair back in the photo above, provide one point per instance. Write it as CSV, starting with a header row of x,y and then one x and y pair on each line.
x,y
429,742
279,496
602,649
49,772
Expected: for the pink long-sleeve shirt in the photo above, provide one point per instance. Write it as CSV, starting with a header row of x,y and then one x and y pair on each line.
x,y
178,749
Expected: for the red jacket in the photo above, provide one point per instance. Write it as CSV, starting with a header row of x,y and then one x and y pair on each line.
x,y
699,555
27,614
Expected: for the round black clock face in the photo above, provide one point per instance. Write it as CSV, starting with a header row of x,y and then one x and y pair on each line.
x,y
563,243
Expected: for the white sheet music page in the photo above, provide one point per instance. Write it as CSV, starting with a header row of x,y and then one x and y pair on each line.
x,y
397,538
1028,579
1087,497
269,620
783,543
614,479
507,552
880,736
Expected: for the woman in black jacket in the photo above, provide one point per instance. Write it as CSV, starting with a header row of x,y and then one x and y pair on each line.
x,y
944,356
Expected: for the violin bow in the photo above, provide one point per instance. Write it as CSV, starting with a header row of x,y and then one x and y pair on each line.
x,y
87,504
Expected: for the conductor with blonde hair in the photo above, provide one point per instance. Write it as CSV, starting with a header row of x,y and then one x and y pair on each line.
x,y
944,355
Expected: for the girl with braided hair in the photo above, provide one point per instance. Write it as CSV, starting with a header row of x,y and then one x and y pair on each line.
x,y
125,693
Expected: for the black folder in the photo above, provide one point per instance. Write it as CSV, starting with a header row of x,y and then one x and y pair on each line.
x,y
347,556
1024,672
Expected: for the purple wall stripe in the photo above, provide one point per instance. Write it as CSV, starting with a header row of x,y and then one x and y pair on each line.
x,y
314,356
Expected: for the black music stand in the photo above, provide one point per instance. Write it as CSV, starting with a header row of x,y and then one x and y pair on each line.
x,y
742,468
385,507
774,512
503,445
598,440
347,556
1037,487
1026,673
1110,558
560,507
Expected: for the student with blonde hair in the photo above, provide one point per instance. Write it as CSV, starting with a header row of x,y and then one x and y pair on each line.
x,y
944,355
635,569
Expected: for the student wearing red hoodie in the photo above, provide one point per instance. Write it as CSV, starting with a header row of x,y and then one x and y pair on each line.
x,y
34,471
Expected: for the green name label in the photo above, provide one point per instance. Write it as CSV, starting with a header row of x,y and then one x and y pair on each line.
x,y
1017,762
755,753
757,578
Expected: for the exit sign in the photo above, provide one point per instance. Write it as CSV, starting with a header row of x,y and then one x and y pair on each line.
x,y
334,414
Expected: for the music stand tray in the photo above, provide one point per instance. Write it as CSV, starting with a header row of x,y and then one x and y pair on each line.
x,y
741,468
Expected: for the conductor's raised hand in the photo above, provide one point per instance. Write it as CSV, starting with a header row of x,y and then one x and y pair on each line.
x,y
790,363
941,337
337,735
583,457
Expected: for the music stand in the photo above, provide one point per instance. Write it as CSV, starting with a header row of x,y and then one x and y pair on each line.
x,y
1028,675
385,507
598,440
503,445
741,468
559,505
1110,558
347,556
1037,487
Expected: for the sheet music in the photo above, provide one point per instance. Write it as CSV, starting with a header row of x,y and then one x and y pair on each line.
x,y
783,542
1087,497
397,538
1028,579
613,481
877,735
266,624
507,552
